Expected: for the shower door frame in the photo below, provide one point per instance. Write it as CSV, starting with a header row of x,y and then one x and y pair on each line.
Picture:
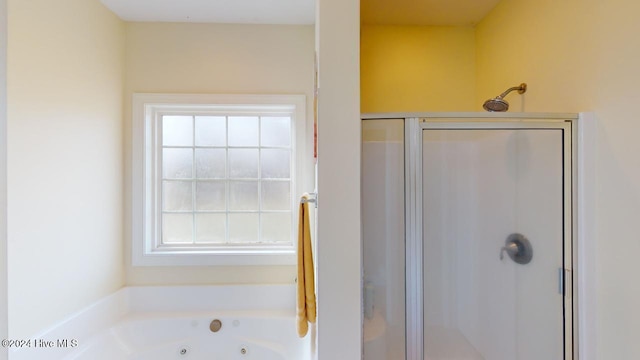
x,y
414,127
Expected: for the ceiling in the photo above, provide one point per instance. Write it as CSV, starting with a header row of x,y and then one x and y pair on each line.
x,y
387,12
216,11
425,12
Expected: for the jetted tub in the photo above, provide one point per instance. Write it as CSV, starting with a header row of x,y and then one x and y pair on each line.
x,y
254,322
241,335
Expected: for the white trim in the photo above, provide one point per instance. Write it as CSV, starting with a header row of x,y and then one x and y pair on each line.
x,y
4,290
568,181
470,115
414,265
146,107
586,236
476,125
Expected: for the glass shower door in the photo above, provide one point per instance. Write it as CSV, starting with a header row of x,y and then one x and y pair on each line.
x,y
495,241
383,218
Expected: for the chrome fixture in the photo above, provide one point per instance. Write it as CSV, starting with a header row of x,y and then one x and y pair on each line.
x,y
215,325
518,248
310,198
498,104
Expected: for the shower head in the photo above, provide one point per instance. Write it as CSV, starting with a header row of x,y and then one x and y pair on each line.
x,y
498,103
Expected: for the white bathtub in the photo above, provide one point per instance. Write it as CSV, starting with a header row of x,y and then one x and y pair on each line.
x,y
244,335
158,323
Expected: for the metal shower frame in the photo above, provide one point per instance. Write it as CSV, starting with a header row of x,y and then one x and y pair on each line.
x,y
414,125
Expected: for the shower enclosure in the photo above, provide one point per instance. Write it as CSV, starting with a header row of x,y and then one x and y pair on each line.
x,y
467,245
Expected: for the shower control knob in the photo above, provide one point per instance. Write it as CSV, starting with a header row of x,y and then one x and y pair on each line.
x,y
518,248
511,249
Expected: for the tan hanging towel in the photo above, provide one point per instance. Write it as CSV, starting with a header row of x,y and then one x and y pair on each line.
x,y
305,291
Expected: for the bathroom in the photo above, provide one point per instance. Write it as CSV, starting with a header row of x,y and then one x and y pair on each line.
x,y
575,56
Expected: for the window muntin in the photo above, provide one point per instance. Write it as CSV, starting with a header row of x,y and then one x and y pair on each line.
x,y
200,153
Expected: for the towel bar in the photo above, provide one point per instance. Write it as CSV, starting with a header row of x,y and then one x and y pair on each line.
x,y
313,200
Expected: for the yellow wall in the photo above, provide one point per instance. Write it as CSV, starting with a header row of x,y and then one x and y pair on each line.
x,y
550,45
417,68
582,55
65,81
215,58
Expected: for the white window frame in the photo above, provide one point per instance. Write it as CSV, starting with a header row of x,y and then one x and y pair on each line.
x,y
146,109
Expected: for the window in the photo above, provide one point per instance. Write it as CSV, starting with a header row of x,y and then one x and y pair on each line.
x,y
216,178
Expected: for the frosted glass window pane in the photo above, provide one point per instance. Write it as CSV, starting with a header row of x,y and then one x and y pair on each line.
x,y
177,228
177,163
276,227
243,228
275,164
211,131
275,131
243,195
177,130
243,131
211,228
276,195
210,163
177,196
210,196
243,163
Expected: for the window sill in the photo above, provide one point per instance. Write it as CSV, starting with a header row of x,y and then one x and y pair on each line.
x,y
217,258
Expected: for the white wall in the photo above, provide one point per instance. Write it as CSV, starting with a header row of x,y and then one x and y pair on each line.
x,y
582,56
65,81
3,178
339,236
219,59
